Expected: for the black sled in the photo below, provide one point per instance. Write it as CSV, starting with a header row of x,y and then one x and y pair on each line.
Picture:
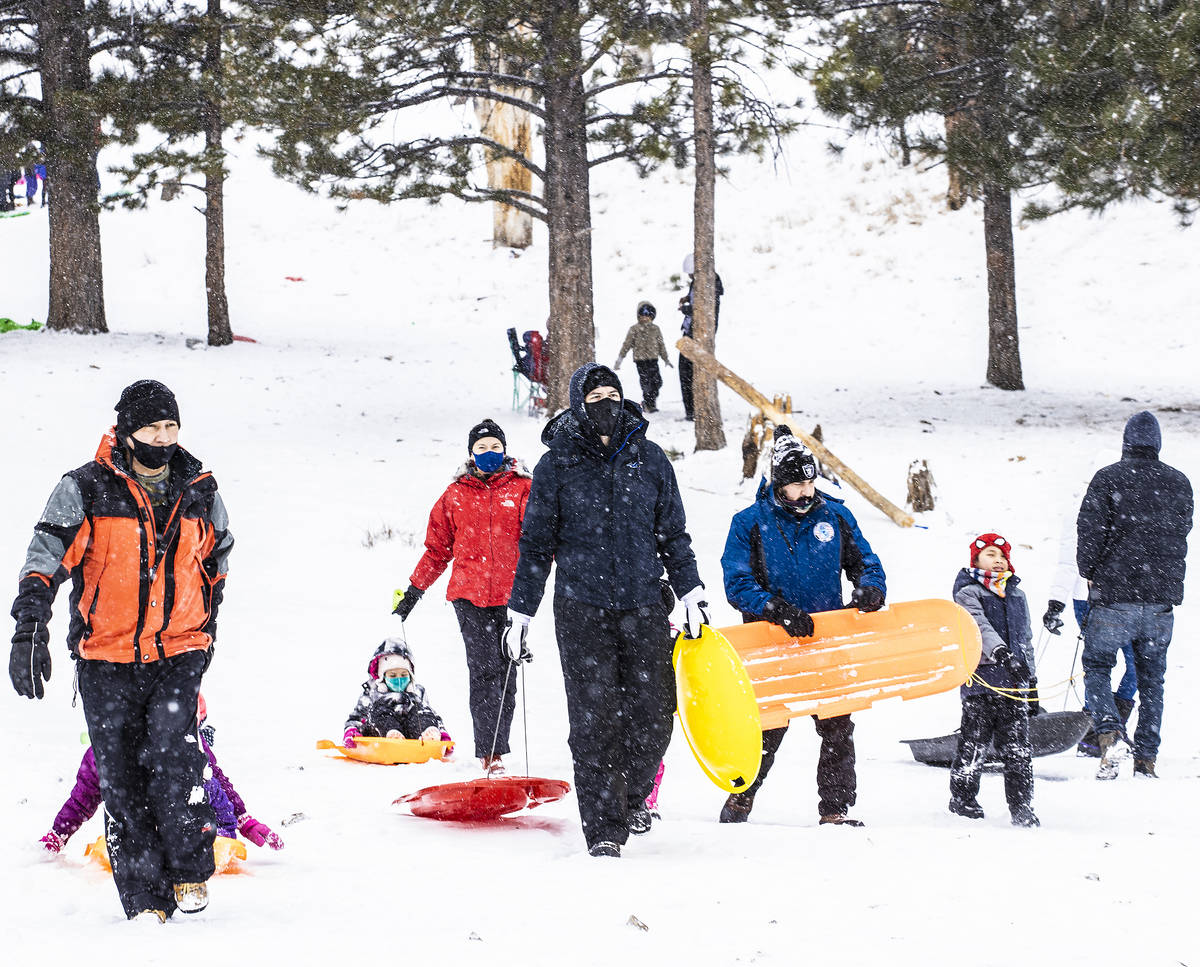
x,y
1049,733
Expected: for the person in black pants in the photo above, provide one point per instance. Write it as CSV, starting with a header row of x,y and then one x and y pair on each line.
x,y
605,510
686,367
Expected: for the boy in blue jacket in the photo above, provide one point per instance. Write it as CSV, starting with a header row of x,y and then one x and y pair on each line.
x,y
988,590
784,558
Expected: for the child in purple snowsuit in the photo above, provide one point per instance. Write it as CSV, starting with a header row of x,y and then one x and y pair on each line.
x,y
232,818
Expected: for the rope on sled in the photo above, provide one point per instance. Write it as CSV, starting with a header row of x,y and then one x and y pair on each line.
x,y
1023,694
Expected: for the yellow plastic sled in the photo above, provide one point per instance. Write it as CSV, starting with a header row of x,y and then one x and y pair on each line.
x,y
390,752
910,649
228,854
717,709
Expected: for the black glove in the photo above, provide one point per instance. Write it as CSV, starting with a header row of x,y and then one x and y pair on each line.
x,y
1032,695
407,602
1051,620
1015,665
668,596
867,598
29,661
797,623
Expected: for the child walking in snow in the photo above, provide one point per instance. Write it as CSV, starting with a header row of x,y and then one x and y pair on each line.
x,y
988,590
645,340
392,705
232,817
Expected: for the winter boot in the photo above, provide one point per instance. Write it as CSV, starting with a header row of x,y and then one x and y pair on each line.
x,y
1089,745
737,807
1125,708
639,819
159,915
1113,749
967,808
492,765
191,897
605,848
1023,816
840,819
1144,767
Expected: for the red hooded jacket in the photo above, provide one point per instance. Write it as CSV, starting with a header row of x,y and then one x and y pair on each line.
x,y
476,523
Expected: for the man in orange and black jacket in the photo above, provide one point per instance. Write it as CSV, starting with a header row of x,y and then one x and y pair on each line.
x,y
143,536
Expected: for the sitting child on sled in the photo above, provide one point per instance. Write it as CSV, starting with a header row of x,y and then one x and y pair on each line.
x,y
232,818
392,705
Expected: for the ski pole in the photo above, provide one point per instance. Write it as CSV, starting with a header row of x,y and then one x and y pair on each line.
x,y
500,713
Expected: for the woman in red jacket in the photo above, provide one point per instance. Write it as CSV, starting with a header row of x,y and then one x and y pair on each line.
x,y
476,524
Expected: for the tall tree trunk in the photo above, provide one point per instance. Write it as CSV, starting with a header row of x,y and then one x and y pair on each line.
x,y
710,434
220,333
1004,353
512,127
76,269
571,335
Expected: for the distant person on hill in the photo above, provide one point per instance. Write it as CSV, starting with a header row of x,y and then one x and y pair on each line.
x,y
40,170
645,341
31,185
8,200
993,702
686,367
1132,547
475,525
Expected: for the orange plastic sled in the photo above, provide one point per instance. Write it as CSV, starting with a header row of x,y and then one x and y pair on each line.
x,y
910,649
390,752
483,800
228,854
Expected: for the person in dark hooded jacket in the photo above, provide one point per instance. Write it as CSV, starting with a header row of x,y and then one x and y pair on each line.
x,y
784,558
605,509
1132,541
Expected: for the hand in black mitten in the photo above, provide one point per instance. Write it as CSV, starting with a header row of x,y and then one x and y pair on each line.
x,y
1015,665
29,661
867,598
1051,620
408,600
797,623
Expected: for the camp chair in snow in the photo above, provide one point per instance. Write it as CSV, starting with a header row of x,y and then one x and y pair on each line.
x,y
529,377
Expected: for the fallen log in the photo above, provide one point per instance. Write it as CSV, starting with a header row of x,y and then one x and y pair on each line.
x,y
710,364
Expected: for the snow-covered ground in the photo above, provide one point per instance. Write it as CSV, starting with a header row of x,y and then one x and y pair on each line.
x,y
849,287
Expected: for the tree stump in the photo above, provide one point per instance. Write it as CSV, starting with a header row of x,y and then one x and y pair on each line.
x,y
921,487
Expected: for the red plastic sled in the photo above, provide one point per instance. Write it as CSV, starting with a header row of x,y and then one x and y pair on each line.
x,y
483,800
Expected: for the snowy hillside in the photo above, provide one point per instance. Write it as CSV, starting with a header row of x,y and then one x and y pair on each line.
x,y
848,286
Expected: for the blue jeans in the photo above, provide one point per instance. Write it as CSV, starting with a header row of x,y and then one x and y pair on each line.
x,y
1147,627
1128,686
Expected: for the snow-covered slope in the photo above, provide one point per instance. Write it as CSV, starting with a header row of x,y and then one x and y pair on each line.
x,y
849,287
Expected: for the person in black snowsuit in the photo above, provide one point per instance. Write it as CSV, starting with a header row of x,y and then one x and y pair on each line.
x,y
988,590
686,367
1132,544
605,508
392,704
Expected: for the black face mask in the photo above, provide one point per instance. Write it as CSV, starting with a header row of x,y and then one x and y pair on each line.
x,y
798,507
604,415
150,456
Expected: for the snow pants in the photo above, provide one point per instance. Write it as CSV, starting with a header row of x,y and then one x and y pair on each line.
x,y
651,380
620,703
686,373
487,668
837,782
988,718
1148,627
158,824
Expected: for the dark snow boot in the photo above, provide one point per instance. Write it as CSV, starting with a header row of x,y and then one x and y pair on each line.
x,y
605,848
1023,816
840,819
638,819
737,807
967,808
1144,767
1113,749
1089,745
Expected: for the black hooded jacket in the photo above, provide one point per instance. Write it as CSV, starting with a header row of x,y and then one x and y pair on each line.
x,y
610,517
1134,522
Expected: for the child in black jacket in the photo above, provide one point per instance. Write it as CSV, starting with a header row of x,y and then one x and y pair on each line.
x,y
392,705
988,590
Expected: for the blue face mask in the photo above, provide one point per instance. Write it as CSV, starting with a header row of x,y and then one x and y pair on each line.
x,y
489,461
396,684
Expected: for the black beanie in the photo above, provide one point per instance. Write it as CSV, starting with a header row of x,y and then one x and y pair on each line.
x,y
601,376
791,461
142,403
482,429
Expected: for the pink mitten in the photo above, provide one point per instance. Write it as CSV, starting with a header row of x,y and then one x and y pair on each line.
x,y
349,736
52,842
260,834
450,749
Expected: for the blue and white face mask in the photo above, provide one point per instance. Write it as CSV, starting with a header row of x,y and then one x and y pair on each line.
x,y
489,461
396,683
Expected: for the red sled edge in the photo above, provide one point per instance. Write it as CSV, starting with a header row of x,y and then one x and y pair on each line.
x,y
483,800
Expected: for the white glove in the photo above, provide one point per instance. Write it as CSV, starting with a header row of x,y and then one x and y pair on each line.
x,y
513,644
696,608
